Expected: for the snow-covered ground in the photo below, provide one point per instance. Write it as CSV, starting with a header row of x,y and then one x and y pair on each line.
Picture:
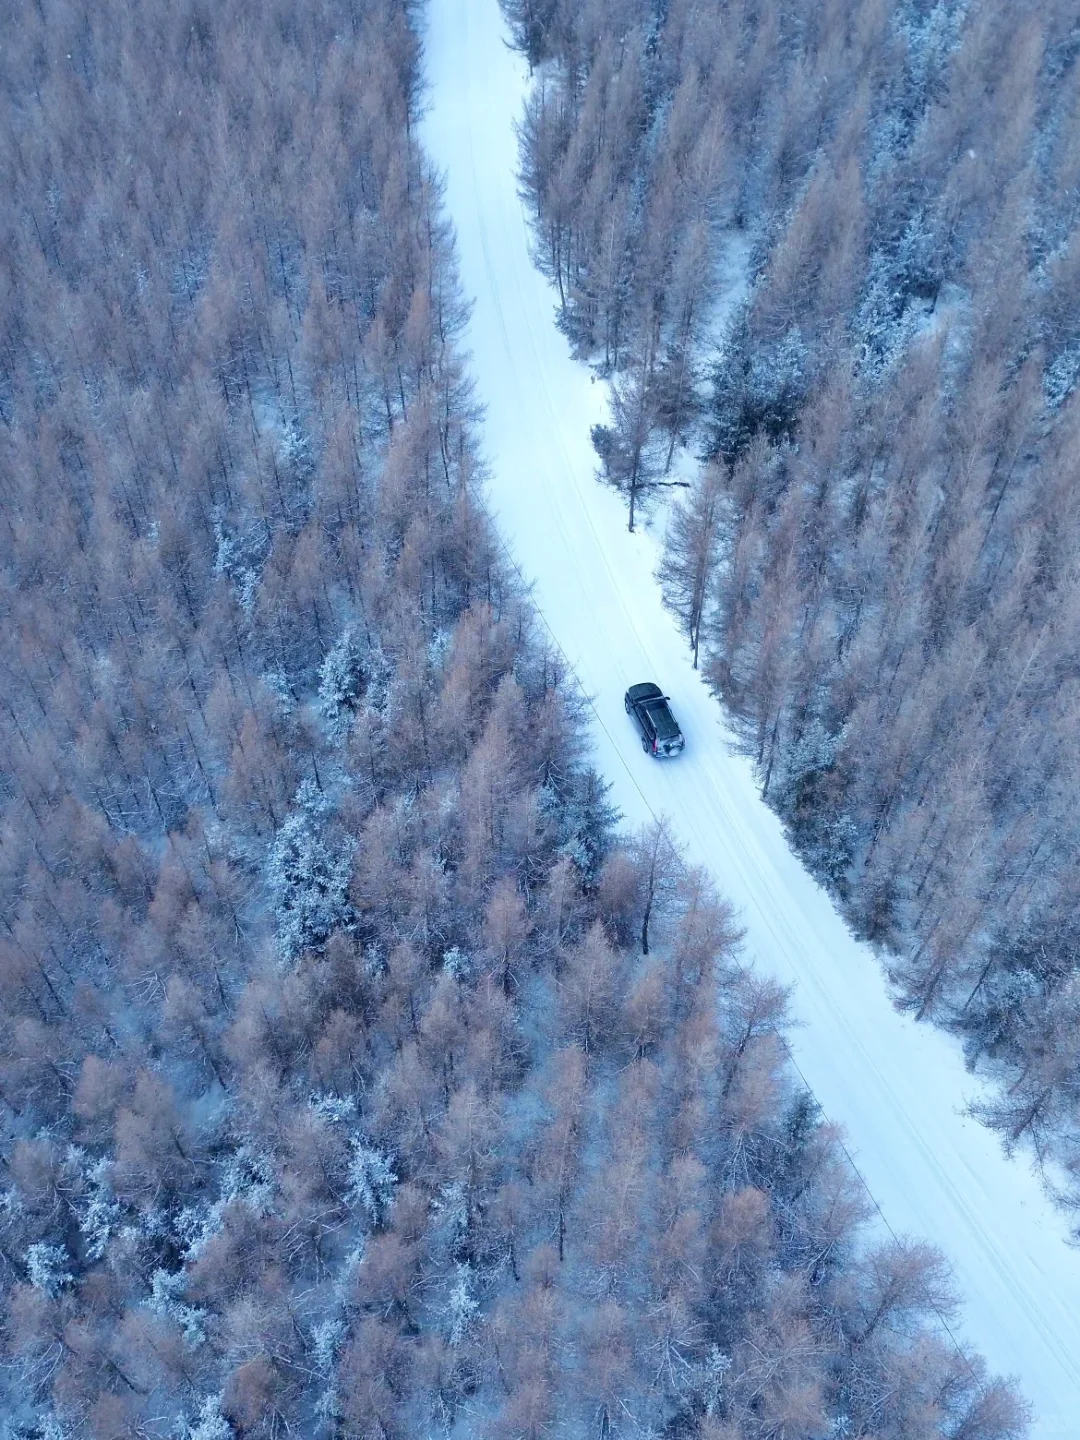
x,y
898,1089
731,281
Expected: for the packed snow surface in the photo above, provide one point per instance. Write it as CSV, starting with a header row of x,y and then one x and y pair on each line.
x,y
899,1089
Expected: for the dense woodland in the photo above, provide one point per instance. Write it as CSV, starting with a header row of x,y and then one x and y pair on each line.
x,y
878,566
354,1081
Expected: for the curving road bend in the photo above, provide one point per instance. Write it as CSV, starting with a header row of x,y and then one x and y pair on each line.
x,y
898,1089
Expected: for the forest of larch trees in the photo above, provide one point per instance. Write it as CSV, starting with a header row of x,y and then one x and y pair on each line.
x,y
356,1079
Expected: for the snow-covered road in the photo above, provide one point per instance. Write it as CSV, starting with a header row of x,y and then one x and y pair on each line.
x,y
897,1088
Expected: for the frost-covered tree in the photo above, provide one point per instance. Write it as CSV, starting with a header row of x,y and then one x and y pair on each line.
x,y
342,678
584,817
759,387
629,455
462,1306
530,21
692,552
209,1423
47,1267
308,883
372,1181
353,672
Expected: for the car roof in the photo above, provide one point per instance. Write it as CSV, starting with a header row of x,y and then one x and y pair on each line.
x,y
662,718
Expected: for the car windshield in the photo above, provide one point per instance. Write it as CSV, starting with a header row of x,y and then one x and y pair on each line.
x,y
662,718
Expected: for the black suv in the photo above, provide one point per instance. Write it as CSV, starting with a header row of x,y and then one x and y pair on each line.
x,y
660,735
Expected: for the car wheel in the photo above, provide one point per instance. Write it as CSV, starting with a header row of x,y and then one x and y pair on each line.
x,y
645,745
626,705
